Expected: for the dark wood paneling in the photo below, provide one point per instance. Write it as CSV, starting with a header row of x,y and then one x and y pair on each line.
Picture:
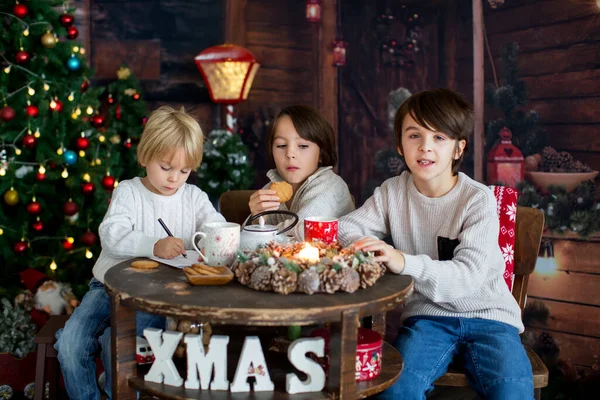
x,y
569,318
142,57
272,34
278,57
573,287
570,110
581,350
283,80
574,137
570,84
284,12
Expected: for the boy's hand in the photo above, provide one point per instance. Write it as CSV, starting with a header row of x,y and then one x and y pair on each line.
x,y
393,259
168,248
263,200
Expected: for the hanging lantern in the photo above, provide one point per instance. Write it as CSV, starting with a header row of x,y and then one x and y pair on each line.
x,y
339,52
505,162
313,10
496,3
228,71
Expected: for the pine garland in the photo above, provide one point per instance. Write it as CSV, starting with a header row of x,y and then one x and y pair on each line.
x,y
16,330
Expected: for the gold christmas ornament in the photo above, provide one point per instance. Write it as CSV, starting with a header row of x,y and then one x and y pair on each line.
x,y
48,40
123,73
11,197
130,91
115,139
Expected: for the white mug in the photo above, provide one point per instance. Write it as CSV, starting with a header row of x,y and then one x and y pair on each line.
x,y
221,241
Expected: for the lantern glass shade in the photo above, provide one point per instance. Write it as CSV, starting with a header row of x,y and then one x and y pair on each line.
x,y
313,10
505,162
228,71
339,53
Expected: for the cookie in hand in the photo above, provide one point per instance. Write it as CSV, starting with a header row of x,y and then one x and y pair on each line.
x,y
283,190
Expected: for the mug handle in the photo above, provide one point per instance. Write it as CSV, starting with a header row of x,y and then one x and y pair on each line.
x,y
253,217
196,247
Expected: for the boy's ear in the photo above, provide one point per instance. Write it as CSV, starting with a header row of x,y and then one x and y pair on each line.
x,y
399,151
460,147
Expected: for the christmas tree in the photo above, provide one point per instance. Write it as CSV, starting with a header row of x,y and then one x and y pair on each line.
x,y
61,145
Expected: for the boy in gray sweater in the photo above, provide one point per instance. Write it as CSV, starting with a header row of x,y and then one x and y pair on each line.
x,y
444,227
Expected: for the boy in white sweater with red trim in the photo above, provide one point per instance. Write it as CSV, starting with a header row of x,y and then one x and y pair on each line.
x,y
170,148
444,228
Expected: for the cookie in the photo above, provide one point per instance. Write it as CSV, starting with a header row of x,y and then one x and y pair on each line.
x,y
283,190
144,264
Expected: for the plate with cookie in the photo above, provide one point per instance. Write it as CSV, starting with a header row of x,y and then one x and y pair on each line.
x,y
205,275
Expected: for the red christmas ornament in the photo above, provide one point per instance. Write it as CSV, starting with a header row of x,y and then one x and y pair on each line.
x,y
108,183
110,99
85,85
136,96
67,20
34,208
37,226
20,247
68,245
7,113
89,238
22,57
58,106
144,120
32,111
70,208
82,143
29,141
118,112
87,188
97,121
72,32
127,144
20,10
40,177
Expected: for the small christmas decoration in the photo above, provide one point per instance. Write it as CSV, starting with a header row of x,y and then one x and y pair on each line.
x,y
70,208
505,162
22,57
82,143
34,207
87,188
123,73
66,20
70,157
313,10
97,121
20,247
56,105
496,3
38,225
32,111
72,32
89,238
55,298
108,183
339,52
84,85
20,10
68,244
48,40
29,141
16,335
7,113
73,63
11,197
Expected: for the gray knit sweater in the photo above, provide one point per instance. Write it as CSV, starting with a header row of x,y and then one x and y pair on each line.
x,y
323,194
461,228
130,227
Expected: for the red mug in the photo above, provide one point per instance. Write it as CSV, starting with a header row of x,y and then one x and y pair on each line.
x,y
321,228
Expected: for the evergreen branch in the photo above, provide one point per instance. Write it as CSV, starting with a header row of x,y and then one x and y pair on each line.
x,y
21,68
18,90
15,17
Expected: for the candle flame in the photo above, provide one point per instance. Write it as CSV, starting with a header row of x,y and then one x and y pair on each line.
x,y
309,254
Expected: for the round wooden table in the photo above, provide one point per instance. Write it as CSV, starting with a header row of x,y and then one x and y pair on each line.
x,y
165,291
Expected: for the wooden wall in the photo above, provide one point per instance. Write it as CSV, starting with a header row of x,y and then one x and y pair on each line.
x,y
559,62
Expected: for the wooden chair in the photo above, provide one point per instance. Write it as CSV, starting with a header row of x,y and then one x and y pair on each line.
x,y
46,355
234,205
530,224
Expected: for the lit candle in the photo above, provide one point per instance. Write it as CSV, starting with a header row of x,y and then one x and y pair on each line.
x,y
309,254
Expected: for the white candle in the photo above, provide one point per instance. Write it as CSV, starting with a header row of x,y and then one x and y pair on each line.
x,y
309,254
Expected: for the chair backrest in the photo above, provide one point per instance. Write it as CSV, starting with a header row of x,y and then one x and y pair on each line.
x,y
234,205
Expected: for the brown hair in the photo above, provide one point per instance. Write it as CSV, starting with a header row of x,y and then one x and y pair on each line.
x,y
168,129
441,110
311,125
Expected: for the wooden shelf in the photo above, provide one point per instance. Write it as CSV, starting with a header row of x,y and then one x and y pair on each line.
x,y
571,236
392,366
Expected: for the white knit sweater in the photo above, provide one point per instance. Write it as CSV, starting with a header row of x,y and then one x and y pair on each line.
x,y
323,194
130,227
470,283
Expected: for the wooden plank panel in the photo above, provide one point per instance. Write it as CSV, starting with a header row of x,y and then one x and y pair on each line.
x,y
142,57
569,317
259,99
566,286
577,256
574,111
269,34
284,12
574,137
282,79
570,84
577,349
277,57
589,158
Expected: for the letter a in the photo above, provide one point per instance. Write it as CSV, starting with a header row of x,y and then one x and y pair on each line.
x,y
252,363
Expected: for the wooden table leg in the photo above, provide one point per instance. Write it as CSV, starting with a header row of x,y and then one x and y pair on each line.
x,y
342,353
40,371
378,324
122,321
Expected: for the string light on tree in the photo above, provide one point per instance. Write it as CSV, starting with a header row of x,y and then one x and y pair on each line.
x,y
53,265
68,243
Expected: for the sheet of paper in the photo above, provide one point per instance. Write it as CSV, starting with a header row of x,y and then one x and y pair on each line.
x,y
180,262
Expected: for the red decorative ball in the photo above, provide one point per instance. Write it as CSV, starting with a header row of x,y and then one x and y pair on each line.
x,y
20,248
82,143
70,208
87,188
136,96
40,177
32,111
37,226
58,107
7,113
29,141
85,85
89,238
22,57
20,10
118,112
68,245
72,32
97,121
108,183
67,20
144,120
127,144
34,208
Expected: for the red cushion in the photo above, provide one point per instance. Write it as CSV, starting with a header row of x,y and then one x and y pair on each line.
x,y
506,198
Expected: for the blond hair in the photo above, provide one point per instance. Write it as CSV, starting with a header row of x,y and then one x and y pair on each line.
x,y
167,130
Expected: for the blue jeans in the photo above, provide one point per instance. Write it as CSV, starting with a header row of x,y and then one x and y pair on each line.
x,y
491,352
86,332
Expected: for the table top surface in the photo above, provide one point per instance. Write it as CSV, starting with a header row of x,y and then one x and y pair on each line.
x,y
166,291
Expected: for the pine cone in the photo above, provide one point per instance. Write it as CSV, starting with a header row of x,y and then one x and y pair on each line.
x,y
244,271
261,279
549,161
330,281
284,281
308,281
369,273
350,280
565,161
